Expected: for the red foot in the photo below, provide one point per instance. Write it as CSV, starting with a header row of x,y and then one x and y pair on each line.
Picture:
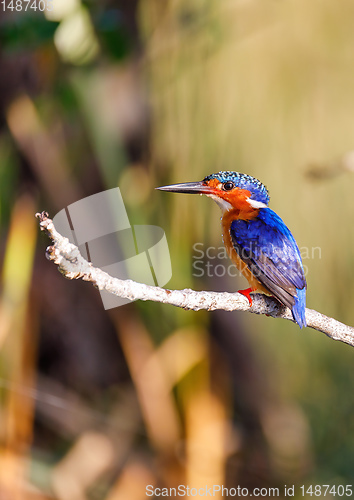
x,y
246,293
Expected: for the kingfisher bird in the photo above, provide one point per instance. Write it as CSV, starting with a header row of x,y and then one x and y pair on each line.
x,y
256,238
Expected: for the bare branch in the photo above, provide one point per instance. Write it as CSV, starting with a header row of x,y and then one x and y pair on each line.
x,y
73,266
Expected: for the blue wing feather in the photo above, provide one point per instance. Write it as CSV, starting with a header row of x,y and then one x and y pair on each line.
x,y
270,251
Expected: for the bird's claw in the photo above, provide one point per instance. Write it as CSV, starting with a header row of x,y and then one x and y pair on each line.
x,y
246,293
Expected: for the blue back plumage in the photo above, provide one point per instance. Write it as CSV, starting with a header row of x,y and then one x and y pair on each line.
x,y
269,249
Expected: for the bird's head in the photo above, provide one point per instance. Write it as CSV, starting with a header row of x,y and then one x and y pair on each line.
x,y
230,190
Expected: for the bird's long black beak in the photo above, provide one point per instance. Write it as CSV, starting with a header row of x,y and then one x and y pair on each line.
x,y
188,187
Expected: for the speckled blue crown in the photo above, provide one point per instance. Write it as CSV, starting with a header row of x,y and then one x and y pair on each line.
x,y
243,181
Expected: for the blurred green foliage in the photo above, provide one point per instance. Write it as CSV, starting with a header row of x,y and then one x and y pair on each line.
x,y
26,30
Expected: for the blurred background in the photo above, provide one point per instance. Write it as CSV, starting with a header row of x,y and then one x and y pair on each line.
x,y
99,404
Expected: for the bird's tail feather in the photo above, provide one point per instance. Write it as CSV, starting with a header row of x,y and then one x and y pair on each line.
x,y
299,308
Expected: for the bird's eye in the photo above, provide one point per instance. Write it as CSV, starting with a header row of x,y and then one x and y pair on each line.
x,y
227,186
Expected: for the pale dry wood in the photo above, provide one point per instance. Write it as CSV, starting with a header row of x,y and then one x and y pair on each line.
x,y
73,266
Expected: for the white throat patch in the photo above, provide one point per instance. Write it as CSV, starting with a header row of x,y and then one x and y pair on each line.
x,y
223,204
226,206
